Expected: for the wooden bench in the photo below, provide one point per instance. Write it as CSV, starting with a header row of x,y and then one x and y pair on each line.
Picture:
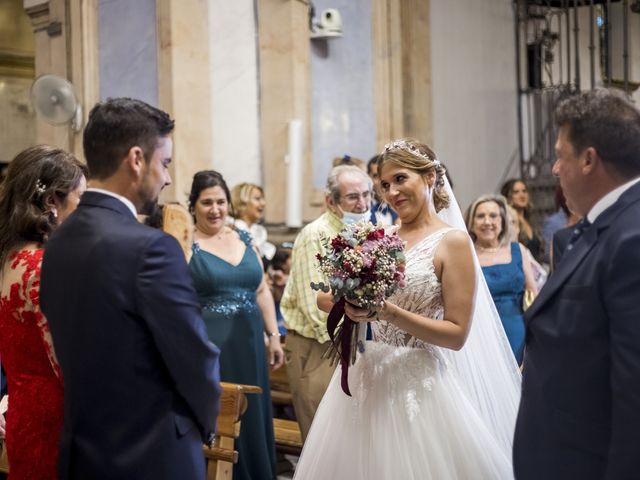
x,y
286,432
288,437
222,454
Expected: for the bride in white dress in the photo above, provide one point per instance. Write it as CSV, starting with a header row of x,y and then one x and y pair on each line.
x,y
435,394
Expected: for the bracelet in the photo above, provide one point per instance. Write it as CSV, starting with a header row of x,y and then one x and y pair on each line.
x,y
274,334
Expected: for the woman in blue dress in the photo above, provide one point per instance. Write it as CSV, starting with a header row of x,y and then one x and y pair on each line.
x,y
506,274
238,311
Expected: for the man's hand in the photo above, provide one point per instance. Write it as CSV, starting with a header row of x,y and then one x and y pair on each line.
x,y
2,426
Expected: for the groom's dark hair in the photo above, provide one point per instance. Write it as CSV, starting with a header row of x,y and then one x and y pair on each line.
x,y
607,121
117,125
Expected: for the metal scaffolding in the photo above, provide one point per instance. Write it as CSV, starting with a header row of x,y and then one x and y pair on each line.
x,y
551,43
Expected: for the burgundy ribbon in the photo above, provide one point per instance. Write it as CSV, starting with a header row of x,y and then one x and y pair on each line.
x,y
335,315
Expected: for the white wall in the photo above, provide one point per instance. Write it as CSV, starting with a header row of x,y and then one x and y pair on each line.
x,y
127,50
474,92
342,105
233,73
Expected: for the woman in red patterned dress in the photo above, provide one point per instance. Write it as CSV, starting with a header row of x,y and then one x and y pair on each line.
x,y
43,186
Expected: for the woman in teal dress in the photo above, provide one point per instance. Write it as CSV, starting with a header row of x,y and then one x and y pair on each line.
x,y
238,310
506,274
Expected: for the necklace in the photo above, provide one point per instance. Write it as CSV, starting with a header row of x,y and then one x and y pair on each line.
x,y
487,250
223,232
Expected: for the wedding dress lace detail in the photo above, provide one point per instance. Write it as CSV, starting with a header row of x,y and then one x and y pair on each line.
x,y
397,356
422,295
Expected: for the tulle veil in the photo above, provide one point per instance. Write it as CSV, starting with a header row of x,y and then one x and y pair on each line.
x,y
485,366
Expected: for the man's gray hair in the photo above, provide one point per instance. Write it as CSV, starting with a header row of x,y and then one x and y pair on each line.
x,y
333,187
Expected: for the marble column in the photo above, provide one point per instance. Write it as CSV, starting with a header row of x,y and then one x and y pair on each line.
x,y
402,69
184,88
283,28
233,71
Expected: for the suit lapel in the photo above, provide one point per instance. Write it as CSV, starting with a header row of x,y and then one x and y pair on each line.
x,y
568,264
572,259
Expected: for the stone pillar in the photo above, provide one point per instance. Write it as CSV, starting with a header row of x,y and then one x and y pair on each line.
x,y
402,69
284,51
65,45
184,88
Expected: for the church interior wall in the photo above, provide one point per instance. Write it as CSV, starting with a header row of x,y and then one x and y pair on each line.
x,y
17,49
127,46
234,77
342,98
232,80
474,92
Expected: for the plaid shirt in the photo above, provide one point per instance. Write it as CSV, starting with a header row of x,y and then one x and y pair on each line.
x,y
298,304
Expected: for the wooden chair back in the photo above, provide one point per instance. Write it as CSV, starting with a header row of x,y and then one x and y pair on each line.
x,y
177,222
222,454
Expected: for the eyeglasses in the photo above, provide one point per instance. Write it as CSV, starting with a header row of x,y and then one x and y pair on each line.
x,y
354,197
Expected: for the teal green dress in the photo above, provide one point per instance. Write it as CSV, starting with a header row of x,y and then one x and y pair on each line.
x,y
227,294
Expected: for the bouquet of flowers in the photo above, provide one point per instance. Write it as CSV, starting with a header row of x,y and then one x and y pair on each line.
x,y
364,264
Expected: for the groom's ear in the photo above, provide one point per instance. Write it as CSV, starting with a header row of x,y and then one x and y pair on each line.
x,y
135,161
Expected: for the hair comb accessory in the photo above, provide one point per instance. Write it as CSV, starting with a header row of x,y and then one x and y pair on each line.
x,y
409,148
40,187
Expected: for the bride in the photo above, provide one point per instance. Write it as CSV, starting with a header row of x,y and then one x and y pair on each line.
x,y
435,394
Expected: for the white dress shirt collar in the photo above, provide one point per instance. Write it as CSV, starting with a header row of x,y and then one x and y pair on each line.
x,y
609,199
124,200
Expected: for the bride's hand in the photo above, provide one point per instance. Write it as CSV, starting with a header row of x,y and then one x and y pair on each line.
x,y
357,314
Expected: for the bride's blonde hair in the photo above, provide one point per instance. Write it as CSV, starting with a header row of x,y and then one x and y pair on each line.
x,y
418,157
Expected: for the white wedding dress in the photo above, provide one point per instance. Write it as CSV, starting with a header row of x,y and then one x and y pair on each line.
x,y
410,416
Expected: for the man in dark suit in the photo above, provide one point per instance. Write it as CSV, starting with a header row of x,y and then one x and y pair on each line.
x,y
579,414
559,243
141,378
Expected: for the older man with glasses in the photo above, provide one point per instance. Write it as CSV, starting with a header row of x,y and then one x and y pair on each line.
x,y
348,199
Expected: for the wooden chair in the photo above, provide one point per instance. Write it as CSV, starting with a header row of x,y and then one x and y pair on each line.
x,y
222,455
177,222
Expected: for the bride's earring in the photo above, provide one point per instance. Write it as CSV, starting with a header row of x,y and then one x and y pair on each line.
x,y
54,212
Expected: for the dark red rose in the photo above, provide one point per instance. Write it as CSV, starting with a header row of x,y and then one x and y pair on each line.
x,y
376,234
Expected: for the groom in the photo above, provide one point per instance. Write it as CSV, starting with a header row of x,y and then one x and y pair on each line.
x,y
579,414
140,375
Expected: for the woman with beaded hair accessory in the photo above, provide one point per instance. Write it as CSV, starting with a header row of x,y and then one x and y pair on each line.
x,y
43,186
435,393
238,311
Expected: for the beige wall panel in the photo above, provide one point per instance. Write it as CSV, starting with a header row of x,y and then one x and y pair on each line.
x,y
184,89
284,95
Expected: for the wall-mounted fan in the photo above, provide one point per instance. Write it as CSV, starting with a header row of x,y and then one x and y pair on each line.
x,y
55,100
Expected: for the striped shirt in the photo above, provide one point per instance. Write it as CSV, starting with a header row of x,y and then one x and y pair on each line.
x,y
298,304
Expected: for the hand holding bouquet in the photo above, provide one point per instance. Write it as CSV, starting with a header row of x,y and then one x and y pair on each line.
x,y
364,265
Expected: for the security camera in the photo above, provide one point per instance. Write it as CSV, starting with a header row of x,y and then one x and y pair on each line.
x,y
330,20
327,25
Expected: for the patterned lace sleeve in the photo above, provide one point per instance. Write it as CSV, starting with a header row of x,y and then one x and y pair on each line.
x,y
32,260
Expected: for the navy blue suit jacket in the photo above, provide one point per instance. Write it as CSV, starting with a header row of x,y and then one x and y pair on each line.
x,y
560,240
140,375
579,415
